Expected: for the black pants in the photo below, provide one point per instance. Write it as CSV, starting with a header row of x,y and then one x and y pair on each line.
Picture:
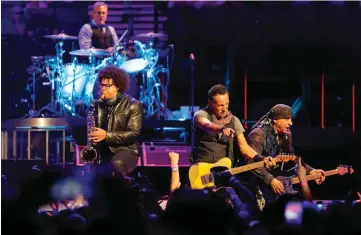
x,y
122,162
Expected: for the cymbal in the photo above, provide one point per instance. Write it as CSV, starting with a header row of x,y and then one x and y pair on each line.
x,y
151,35
88,52
43,59
37,59
61,36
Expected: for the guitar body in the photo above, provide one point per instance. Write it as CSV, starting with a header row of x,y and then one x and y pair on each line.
x,y
197,170
287,184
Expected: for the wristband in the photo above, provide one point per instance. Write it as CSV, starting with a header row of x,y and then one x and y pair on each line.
x,y
304,183
258,158
175,168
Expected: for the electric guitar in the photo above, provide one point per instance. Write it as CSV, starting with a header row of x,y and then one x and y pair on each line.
x,y
200,174
289,181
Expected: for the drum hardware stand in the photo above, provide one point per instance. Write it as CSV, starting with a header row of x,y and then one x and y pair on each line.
x,y
75,64
59,57
150,94
59,64
192,59
52,106
33,70
168,70
93,68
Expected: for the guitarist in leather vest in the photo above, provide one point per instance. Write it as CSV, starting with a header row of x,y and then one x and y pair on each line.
x,y
119,121
271,136
214,129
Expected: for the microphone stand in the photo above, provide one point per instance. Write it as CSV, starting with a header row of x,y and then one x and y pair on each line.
x,y
192,59
75,63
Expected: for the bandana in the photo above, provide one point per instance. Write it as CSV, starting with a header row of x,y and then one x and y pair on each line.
x,y
279,111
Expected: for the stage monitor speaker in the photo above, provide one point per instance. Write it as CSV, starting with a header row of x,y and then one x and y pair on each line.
x,y
157,155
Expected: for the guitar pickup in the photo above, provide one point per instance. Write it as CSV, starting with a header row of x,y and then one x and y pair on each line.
x,y
206,179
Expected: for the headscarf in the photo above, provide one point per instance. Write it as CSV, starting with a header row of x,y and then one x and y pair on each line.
x,y
279,111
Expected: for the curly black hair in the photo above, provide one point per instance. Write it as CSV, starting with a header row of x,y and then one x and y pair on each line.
x,y
216,90
120,77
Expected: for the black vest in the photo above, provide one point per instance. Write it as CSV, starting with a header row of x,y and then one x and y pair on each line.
x,y
100,39
211,148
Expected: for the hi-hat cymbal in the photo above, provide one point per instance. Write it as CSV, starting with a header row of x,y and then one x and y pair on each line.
x,y
37,59
151,35
61,36
90,52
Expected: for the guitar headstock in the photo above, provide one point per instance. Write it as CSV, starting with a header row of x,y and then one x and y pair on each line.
x,y
344,169
285,157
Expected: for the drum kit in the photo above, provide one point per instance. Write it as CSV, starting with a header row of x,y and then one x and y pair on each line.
x,y
73,85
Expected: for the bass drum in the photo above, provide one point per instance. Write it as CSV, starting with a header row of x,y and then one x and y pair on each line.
x,y
76,84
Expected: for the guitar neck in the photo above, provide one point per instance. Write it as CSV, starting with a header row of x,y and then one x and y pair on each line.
x,y
296,180
245,168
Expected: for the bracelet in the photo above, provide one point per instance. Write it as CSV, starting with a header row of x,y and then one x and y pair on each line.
x,y
175,168
258,158
304,183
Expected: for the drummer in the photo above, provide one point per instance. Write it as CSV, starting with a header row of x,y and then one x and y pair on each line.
x,y
97,34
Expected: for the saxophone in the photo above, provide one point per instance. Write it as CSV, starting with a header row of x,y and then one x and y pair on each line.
x,y
90,154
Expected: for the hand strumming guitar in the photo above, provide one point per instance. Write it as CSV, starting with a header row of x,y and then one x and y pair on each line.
x,y
277,187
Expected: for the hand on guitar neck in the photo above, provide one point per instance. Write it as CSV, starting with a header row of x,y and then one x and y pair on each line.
x,y
321,175
287,182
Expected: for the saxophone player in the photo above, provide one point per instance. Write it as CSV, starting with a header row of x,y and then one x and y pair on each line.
x,y
118,123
